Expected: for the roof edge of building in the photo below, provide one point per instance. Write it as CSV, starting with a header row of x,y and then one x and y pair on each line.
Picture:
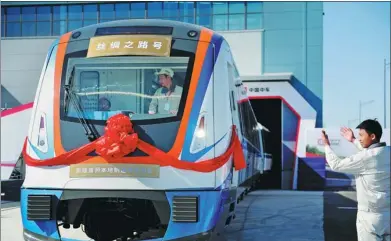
x,y
268,77
33,3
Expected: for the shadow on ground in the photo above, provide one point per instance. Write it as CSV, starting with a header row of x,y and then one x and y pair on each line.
x,y
339,219
9,205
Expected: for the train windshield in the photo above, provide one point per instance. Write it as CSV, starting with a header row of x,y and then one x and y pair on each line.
x,y
146,85
143,87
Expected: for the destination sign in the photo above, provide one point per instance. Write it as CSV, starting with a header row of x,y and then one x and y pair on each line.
x,y
114,170
115,45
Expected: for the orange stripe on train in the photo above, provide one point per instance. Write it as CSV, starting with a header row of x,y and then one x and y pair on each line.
x,y
202,48
61,50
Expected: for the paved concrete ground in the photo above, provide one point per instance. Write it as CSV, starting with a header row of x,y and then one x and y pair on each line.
x,y
278,216
262,215
11,223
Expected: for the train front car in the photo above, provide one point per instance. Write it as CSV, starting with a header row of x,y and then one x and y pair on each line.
x,y
125,142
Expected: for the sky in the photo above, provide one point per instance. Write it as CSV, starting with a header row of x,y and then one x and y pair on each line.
x,y
356,39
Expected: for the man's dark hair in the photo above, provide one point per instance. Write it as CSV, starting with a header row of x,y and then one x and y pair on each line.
x,y
371,127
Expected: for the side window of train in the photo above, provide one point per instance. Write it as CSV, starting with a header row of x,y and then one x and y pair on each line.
x,y
254,130
246,116
255,133
235,92
249,124
232,98
243,119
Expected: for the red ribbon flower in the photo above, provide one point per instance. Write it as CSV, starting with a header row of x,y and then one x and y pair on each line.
x,y
119,138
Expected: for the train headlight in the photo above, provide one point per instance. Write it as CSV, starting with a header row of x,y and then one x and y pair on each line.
x,y
199,139
200,132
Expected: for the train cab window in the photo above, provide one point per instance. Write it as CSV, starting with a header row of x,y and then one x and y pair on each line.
x,y
88,81
131,85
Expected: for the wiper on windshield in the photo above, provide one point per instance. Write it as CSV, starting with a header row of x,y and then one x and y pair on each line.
x,y
67,86
70,96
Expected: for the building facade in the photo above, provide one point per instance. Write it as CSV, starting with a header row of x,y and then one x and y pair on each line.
x,y
266,38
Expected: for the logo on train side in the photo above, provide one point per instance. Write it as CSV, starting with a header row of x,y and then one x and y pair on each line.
x,y
259,89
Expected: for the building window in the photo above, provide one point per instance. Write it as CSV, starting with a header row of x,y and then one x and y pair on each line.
x,y
75,12
13,26
122,11
57,19
186,12
186,8
254,7
170,11
2,23
106,12
75,17
28,14
137,10
236,22
43,28
43,13
254,21
13,29
59,27
204,8
28,29
59,12
237,7
13,14
155,10
220,8
90,14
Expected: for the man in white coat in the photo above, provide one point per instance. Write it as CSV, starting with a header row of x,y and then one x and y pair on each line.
x,y
371,167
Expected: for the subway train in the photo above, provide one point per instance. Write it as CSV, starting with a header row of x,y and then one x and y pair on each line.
x,y
140,130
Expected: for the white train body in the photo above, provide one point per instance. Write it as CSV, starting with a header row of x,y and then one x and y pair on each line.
x,y
213,100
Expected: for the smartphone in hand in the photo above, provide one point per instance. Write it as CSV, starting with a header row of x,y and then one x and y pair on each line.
x,y
325,138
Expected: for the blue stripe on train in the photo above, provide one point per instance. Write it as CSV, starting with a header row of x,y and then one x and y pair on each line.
x,y
44,228
206,73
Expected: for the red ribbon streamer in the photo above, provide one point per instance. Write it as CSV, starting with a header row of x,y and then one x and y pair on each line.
x,y
120,139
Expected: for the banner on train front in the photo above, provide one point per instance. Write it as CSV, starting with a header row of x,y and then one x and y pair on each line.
x,y
116,45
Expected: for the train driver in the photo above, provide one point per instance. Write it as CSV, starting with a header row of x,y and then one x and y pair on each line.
x,y
167,98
